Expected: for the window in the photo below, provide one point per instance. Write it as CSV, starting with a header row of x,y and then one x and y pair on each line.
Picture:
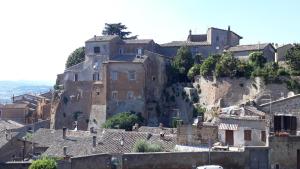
x,y
130,95
96,49
131,75
217,38
114,75
263,136
247,135
153,78
114,95
121,51
96,77
140,51
75,77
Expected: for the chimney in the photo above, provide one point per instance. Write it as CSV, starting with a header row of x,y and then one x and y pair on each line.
x,y
65,150
92,130
161,125
95,37
228,36
64,132
94,141
190,32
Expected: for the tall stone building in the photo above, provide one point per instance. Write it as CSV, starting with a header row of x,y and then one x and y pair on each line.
x,y
116,76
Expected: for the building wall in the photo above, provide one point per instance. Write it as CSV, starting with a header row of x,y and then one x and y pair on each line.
x,y
16,114
100,161
122,85
283,151
196,136
256,126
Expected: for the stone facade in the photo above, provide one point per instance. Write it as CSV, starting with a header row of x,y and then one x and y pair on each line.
x,y
213,42
15,112
284,152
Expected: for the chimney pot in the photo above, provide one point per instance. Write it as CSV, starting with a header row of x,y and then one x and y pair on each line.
x,y
64,132
190,32
65,150
228,27
94,141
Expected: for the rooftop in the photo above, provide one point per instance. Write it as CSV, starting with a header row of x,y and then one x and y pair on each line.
x,y
15,106
185,43
252,47
102,38
138,41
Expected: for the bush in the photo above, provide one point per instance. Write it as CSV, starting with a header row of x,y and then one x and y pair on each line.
x,y
174,122
44,163
257,59
282,72
144,146
77,56
208,66
194,71
198,111
123,120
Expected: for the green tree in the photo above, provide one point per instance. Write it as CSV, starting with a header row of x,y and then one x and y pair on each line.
x,y
44,163
182,62
227,66
123,120
117,29
209,64
198,58
195,70
257,59
293,57
77,56
144,146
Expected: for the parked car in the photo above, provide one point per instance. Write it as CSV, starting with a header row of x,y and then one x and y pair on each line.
x,y
210,167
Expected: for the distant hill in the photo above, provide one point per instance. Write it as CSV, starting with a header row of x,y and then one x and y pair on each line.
x,y
10,88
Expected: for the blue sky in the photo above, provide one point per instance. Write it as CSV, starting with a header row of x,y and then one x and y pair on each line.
x,y
36,36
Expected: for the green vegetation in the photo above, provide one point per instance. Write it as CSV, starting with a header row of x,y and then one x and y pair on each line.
x,y
123,120
77,56
144,146
293,58
117,29
198,111
44,163
193,71
174,122
208,66
181,64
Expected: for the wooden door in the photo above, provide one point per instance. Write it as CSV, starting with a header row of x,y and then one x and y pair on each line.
x,y
229,137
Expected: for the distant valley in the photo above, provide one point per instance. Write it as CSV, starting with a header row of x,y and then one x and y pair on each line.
x,y
10,88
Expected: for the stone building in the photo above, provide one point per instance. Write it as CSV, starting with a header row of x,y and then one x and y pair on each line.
x,y
242,52
17,112
214,41
116,76
281,52
242,127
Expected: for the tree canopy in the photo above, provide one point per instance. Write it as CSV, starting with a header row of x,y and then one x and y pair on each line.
x,y
227,66
77,56
44,163
123,120
257,59
293,57
182,62
117,29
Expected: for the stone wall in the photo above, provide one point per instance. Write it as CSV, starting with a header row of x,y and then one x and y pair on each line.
x,y
15,165
254,158
283,152
100,161
193,135
234,91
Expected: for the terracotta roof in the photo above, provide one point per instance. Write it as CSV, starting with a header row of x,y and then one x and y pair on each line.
x,y
157,130
252,47
184,43
9,124
102,38
198,38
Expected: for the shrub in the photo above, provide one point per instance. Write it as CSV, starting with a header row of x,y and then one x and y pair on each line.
x,y
144,146
208,66
257,59
123,120
44,163
174,122
198,111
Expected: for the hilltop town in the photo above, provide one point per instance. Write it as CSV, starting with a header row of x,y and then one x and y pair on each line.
x,y
134,103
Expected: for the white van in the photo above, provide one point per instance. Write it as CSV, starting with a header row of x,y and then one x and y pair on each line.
x,y
210,167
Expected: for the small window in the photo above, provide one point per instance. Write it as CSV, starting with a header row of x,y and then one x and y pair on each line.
x,y
96,77
131,75
263,136
140,51
130,95
153,78
217,38
114,95
121,51
76,77
98,93
114,75
277,166
247,135
96,49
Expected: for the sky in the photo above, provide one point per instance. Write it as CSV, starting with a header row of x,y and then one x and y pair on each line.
x,y
36,36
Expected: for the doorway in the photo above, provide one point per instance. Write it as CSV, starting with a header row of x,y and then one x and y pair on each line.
x,y
229,137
